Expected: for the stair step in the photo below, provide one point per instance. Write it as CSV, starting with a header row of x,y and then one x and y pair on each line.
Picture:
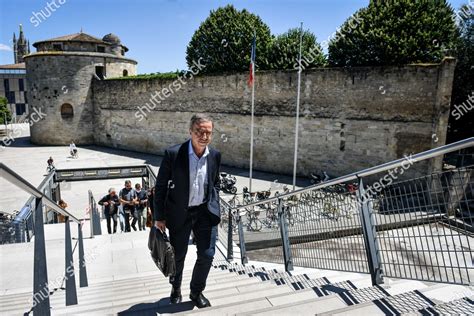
x,y
88,295
309,301
232,293
155,279
463,306
406,302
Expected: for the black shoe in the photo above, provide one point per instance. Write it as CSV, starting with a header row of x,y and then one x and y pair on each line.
x,y
175,296
134,228
199,300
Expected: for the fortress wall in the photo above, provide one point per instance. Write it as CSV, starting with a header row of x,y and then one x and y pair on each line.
x,y
56,78
350,119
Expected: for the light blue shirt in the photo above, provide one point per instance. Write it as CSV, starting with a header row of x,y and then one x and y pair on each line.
x,y
197,176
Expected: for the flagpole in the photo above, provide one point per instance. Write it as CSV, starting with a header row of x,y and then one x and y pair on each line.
x,y
252,118
297,108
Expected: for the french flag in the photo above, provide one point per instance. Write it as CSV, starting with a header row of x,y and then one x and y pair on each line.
x,y
252,62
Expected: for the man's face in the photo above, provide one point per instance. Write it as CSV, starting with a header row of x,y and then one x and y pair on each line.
x,y
138,188
112,193
201,134
128,185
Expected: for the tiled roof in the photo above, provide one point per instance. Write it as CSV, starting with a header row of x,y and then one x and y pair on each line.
x,y
13,66
77,37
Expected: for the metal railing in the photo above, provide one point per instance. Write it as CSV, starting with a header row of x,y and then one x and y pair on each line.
x,y
419,228
21,228
94,216
23,222
30,220
41,305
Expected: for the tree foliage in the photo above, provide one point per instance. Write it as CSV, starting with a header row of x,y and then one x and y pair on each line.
x,y
284,52
224,40
4,111
463,85
395,33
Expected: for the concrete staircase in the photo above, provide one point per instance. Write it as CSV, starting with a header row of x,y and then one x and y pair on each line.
x,y
123,280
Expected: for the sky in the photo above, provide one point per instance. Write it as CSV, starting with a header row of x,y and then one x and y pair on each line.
x,y
157,32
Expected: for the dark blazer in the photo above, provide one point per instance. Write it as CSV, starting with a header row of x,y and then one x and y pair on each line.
x,y
108,198
171,201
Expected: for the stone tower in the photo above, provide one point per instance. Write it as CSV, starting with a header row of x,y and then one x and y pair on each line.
x,y
60,74
21,47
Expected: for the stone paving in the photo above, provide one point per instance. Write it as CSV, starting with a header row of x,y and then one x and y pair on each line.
x,y
29,161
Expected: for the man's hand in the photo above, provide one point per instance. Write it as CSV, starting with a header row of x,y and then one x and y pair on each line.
x,y
161,225
106,203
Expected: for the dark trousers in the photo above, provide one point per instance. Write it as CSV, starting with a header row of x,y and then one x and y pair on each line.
x,y
109,219
127,221
198,219
137,218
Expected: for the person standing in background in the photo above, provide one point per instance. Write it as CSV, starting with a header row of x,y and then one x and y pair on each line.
x,y
141,208
110,202
128,199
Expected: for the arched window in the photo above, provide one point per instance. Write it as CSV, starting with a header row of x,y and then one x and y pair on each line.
x,y
125,72
67,112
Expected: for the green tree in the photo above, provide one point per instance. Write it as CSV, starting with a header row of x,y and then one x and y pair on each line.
x,y
4,111
463,85
284,51
395,33
224,40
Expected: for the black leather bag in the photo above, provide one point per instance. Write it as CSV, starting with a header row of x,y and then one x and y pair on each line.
x,y
162,252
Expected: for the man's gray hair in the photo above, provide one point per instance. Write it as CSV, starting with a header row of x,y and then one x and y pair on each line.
x,y
199,118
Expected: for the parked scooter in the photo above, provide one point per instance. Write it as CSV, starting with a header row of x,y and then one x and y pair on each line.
x,y
317,178
228,183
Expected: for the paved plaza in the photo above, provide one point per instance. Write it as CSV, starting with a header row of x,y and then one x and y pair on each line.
x,y
29,161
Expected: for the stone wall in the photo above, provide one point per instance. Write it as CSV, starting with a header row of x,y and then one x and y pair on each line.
x,y
350,119
56,78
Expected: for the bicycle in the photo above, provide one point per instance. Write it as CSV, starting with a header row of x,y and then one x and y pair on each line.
x,y
253,221
50,168
74,154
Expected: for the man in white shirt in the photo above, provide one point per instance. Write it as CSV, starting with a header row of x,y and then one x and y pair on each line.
x,y
187,198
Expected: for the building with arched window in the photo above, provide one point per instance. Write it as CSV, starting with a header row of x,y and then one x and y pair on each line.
x,y
60,75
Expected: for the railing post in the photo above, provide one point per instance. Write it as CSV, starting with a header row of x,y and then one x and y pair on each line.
x,y
370,236
243,253
96,215
230,244
288,260
71,293
82,263
91,215
41,305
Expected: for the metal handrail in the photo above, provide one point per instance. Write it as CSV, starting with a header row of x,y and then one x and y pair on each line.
x,y
15,179
29,202
150,171
103,168
465,143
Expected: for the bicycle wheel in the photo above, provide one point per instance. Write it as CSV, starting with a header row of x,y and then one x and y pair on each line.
x,y
224,224
256,225
290,218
